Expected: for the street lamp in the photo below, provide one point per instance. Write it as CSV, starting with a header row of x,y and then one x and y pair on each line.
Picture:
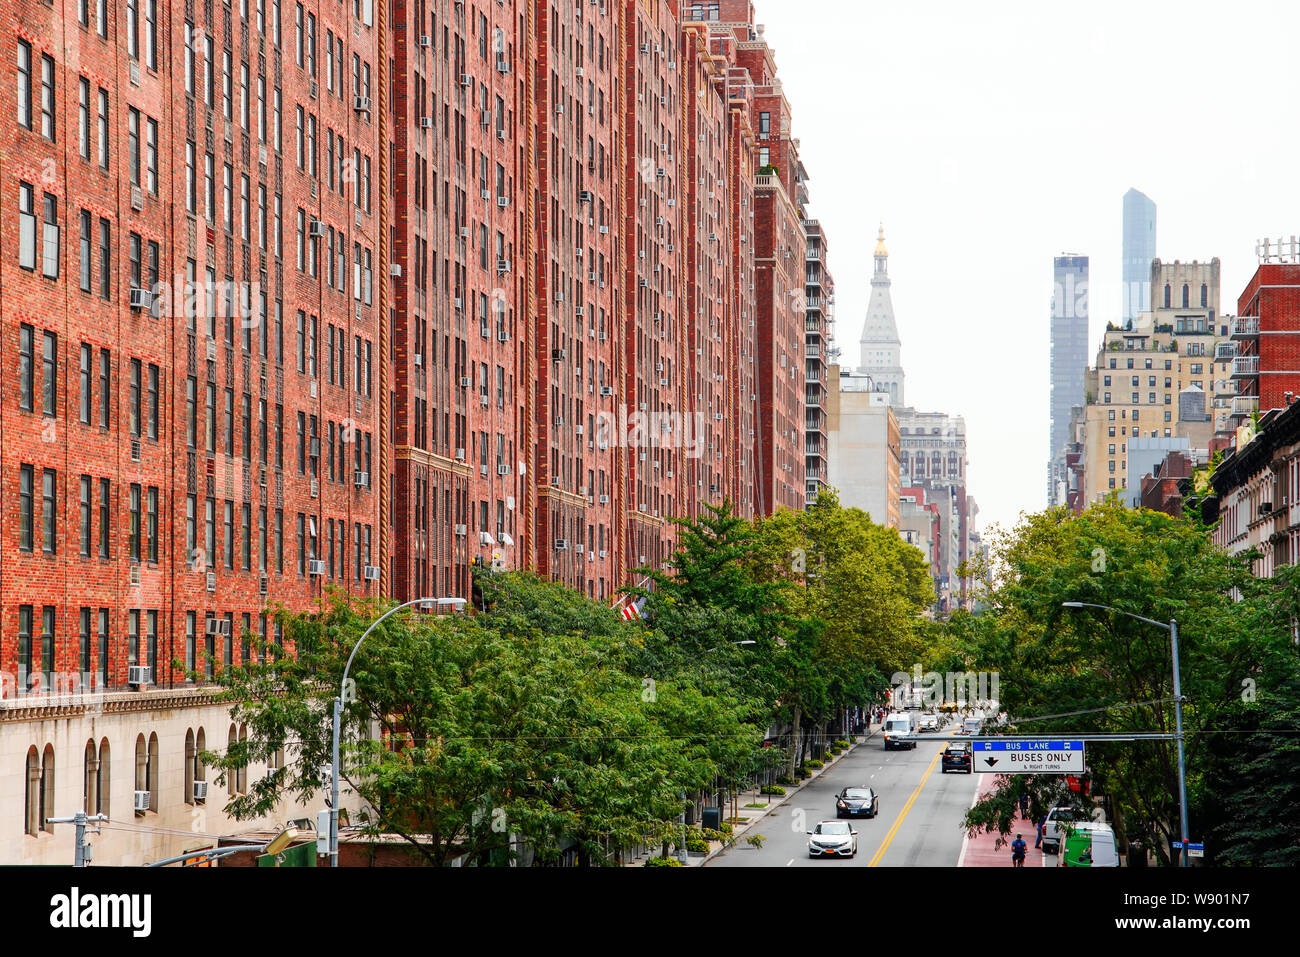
x,y
425,604
1172,628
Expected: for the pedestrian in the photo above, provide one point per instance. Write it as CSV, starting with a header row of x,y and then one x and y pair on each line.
x,y
1024,806
1042,829
1018,850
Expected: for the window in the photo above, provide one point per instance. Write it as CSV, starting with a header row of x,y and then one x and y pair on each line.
x,y
105,259
103,129
133,29
133,403
86,510
104,518
151,154
151,421
51,252
25,474
26,226
133,535
47,97
83,118
49,518
151,34
24,84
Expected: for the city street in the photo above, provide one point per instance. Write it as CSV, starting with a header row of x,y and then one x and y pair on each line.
x,y
920,810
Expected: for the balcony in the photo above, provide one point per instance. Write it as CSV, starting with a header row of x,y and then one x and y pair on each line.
x,y
1225,351
812,324
814,375
1246,327
1244,405
812,351
1245,367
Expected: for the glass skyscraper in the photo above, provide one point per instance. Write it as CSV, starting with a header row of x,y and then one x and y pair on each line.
x,y
1139,250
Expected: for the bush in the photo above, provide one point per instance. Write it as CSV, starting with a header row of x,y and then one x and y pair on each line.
x,y
698,846
841,743
784,779
772,789
711,835
814,764
726,828
756,841
663,862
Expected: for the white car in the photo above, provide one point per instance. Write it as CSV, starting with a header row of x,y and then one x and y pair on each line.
x,y
929,722
832,839
1058,820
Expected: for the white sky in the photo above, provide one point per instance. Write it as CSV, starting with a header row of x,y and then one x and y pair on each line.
x,y
992,137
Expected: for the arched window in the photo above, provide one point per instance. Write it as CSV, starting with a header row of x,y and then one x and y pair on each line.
x,y
90,780
1187,301
102,791
1205,295
242,783
1166,295
189,766
141,773
47,787
200,745
231,776
152,769
32,792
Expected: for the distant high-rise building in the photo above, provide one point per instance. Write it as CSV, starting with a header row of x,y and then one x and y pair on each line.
x,y
881,350
1139,250
1069,353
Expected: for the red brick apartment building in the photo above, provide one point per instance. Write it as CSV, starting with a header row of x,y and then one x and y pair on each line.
x,y
335,293
1268,353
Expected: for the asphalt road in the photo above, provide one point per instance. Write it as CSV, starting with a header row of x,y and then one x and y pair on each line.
x,y
920,809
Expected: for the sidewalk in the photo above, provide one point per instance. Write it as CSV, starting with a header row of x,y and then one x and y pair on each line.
x,y
755,815
979,851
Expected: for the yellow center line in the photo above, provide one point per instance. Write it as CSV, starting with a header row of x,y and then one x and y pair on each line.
x,y
903,813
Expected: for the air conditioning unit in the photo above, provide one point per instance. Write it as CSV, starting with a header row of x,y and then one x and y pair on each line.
x,y
559,109
485,193
142,800
371,573
466,80
465,382
137,197
460,455
557,355
361,479
503,201
559,295
503,470
362,104
212,581
135,450
578,429
643,283
501,132
663,381
426,122
503,66
561,544
218,627
645,48
485,538
135,574
315,566
312,88
502,335
604,500
315,229
425,40
606,390
604,230
419,360
484,118
503,265
262,585
460,531
483,400
139,675
200,790
586,196
315,488
141,299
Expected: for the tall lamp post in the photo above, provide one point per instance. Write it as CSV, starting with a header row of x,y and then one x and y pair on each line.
x,y
1172,627
425,603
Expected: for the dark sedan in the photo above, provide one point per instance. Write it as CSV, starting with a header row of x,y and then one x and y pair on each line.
x,y
857,802
957,757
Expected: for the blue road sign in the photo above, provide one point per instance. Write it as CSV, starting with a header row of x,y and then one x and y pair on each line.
x,y
1029,757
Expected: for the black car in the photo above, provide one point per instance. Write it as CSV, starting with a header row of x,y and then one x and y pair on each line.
x,y
957,757
857,802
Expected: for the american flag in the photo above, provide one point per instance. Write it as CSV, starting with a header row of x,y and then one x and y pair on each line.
x,y
632,610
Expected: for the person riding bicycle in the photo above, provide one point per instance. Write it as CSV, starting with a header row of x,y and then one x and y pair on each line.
x,y
1018,850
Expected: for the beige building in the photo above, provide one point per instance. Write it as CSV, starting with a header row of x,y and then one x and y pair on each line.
x,y
133,756
1164,378
863,445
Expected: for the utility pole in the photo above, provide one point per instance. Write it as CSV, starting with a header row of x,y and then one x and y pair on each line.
x,y
83,850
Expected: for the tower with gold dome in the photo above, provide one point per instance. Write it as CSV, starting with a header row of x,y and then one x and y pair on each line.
x,y
881,351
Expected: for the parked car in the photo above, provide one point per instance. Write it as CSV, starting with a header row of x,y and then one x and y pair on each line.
x,y
857,802
929,722
1089,844
1058,819
957,757
832,839
900,730
972,725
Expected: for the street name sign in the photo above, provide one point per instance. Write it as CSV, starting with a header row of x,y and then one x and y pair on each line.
x,y
1028,757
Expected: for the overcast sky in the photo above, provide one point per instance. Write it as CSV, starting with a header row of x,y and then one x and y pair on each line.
x,y
992,137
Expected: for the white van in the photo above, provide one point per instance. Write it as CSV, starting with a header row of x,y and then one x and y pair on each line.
x,y
900,730
1089,844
